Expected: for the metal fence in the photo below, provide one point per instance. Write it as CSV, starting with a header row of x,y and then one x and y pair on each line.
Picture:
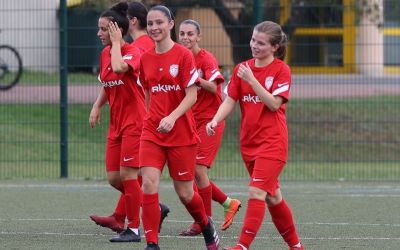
x,y
343,115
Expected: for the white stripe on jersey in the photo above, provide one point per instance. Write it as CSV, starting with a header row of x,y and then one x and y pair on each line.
x,y
127,57
212,78
280,90
98,78
139,83
226,88
194,78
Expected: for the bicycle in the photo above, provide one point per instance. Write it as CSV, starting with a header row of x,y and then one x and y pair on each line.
x,y
10,67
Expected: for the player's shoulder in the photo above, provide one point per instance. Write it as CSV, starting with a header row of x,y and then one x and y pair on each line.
x,y
178,48
205,54
106,50
281,65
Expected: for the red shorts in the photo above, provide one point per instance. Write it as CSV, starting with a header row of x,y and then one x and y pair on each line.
x,y
208,147
181,160
123,151
264,173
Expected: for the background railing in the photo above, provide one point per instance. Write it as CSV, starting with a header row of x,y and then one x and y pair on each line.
x,y
343,115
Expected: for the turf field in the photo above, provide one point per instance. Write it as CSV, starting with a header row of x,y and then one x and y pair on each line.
x,y
330,215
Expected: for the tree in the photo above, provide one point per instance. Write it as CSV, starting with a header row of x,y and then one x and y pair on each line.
x,y
239,28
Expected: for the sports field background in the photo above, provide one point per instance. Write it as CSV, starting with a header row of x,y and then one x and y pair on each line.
x,y
39,215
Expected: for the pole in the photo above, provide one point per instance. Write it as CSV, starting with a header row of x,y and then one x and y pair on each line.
x,y
258,11
63,90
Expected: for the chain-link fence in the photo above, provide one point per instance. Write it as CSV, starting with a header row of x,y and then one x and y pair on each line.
x,y
343,115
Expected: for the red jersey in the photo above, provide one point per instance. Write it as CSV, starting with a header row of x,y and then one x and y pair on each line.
x,y
143,43
207,103
166,76
125,96
263,133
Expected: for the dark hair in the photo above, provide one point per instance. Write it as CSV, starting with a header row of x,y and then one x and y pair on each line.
x,y
169,15
117,13
277,36
194,23
138,10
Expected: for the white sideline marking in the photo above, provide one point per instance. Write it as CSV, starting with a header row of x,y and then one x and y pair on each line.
x,y
200,237
216,221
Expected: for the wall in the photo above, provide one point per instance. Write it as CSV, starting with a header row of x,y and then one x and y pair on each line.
x,y
32,27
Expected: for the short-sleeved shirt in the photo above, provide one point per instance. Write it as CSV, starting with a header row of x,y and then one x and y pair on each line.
x,y
125,96
166,76
143,43
207,103
263,132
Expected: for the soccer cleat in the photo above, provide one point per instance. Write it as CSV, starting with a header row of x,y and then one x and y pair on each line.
x,y
164,210
301,247
110,222
127,236
152,246
233,208
193,230
210,236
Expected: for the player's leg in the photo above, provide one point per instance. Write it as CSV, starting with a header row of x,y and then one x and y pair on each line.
x,y
231,206
129,171
283,220
256,205
116,221
181,166
207,152
151,169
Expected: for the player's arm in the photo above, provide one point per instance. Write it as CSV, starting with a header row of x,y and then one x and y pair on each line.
x,y
210,86
271,101
95,113
147,98
223,111
118,65
168,122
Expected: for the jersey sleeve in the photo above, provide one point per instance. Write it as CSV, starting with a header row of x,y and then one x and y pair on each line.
x,y
282,83
211,71
132,57
233,87
189,74
141,81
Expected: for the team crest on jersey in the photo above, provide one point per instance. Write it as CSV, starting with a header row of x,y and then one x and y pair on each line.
x,y
268,82
174,70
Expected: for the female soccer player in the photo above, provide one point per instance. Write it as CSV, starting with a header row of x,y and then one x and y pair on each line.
x,y
119,67
169,76
208,100
137,13
261,85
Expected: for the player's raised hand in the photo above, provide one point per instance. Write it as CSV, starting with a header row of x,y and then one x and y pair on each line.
x,y
115,32
245,73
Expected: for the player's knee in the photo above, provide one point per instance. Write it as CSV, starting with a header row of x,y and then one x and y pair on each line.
x,y
273,200
185,195
149,186
256,193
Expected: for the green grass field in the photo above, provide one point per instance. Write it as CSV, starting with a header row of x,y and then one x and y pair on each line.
x,y
39,215
329,140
